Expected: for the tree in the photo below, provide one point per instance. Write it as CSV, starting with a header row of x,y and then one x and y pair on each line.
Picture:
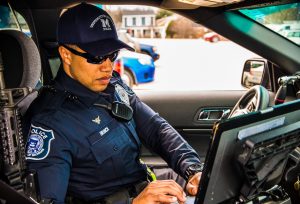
x,y
183,28
163,13
283,15
116,15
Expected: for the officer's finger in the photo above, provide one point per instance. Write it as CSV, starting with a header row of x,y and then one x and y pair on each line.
x,y
197,178
169,187
173,183
161,198
170,184
193,190
192,185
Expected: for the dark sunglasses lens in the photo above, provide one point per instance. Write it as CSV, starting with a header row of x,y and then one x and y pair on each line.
x,y
96,60
113,56
100,60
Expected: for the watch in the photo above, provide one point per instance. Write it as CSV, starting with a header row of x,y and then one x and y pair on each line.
x,y
193,169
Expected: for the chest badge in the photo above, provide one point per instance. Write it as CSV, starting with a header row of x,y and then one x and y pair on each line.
x,y
122,94
97,120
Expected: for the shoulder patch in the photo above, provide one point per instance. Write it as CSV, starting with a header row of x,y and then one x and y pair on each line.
x,y
38,143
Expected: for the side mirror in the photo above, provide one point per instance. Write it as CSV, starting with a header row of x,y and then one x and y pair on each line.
x,y
255,72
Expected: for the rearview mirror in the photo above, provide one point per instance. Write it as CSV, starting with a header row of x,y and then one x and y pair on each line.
x,y
255,73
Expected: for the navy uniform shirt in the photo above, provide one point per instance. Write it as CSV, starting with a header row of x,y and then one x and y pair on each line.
x,y
81,149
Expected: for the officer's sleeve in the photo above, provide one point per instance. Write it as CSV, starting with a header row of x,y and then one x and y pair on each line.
x,y
158,135
48,153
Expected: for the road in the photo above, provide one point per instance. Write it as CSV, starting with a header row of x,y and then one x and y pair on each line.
x,y
193,64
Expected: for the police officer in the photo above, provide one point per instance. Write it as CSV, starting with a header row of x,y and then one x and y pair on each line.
x,y
86,129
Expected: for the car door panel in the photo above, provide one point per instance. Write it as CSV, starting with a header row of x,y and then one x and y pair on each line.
x,y
182,110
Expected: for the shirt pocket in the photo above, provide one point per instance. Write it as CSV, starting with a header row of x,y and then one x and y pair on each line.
x,y
108,141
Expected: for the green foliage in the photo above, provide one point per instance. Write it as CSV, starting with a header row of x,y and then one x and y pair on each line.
x,y
170,31
283,15
163,13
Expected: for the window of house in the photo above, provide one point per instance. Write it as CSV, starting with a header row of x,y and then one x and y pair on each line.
x,y
134,21
125,22
143,21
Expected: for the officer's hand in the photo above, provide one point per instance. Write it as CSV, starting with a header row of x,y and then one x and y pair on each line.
x,y
161,191
193,183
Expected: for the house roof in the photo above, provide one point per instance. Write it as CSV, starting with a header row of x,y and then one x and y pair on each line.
x,y
138,12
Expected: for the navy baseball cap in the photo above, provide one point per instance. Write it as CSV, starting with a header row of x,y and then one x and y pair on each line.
x,y
91,29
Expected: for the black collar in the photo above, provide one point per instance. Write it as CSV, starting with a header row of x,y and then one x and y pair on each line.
x,y
65,83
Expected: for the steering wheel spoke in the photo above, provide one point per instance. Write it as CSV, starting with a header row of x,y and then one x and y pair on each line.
x,y
256,98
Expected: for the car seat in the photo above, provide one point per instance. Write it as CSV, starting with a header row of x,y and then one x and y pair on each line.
x,y
20,71
21,62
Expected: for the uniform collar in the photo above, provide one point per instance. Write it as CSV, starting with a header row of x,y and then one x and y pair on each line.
x,y
65,83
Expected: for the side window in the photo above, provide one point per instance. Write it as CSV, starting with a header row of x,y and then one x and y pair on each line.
x,y
54,63
13,20
174,53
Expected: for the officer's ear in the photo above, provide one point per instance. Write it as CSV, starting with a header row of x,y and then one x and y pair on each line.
x,y
65,55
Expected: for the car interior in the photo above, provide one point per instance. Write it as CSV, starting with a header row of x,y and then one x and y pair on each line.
x,y
200,116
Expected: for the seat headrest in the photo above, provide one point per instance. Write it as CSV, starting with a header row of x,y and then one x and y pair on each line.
x,y
21,59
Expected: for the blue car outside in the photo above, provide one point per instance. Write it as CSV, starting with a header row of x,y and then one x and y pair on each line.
x,y
142,69
150,50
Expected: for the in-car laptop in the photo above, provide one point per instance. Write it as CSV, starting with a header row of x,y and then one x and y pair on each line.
x,y
248,154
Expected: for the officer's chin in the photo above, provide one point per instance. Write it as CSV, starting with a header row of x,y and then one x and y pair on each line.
x,y
99,88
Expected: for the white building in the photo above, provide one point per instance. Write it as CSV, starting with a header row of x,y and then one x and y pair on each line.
x,y
139,23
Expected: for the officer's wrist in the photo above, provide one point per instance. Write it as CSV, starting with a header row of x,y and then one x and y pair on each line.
x,y
192,170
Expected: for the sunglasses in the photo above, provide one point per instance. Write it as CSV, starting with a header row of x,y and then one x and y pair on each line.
x,y
91,58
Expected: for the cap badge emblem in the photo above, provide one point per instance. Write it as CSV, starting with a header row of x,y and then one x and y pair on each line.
x,y
105,22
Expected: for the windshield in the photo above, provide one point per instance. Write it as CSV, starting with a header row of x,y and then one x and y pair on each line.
x,y
283,19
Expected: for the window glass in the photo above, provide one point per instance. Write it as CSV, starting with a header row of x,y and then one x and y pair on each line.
x,y
9,21
54,65
173,53
282,19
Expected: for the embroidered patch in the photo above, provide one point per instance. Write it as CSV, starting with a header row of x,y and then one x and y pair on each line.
x,y
38,144
122,94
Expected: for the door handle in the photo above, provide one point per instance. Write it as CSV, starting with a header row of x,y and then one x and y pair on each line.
x,y
213,114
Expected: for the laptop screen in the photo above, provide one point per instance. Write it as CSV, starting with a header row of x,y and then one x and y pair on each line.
x,y
248,153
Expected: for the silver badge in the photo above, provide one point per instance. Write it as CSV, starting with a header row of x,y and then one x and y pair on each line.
x,y
122,94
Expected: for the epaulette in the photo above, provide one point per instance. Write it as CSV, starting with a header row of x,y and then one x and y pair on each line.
x,y
56,96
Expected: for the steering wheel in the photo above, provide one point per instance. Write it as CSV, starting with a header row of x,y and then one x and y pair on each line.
x,y
255,99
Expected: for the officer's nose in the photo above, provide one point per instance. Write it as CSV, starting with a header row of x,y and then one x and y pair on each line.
x,y
106,66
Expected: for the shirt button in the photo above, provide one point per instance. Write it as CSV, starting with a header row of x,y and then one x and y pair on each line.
x,y
116,148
